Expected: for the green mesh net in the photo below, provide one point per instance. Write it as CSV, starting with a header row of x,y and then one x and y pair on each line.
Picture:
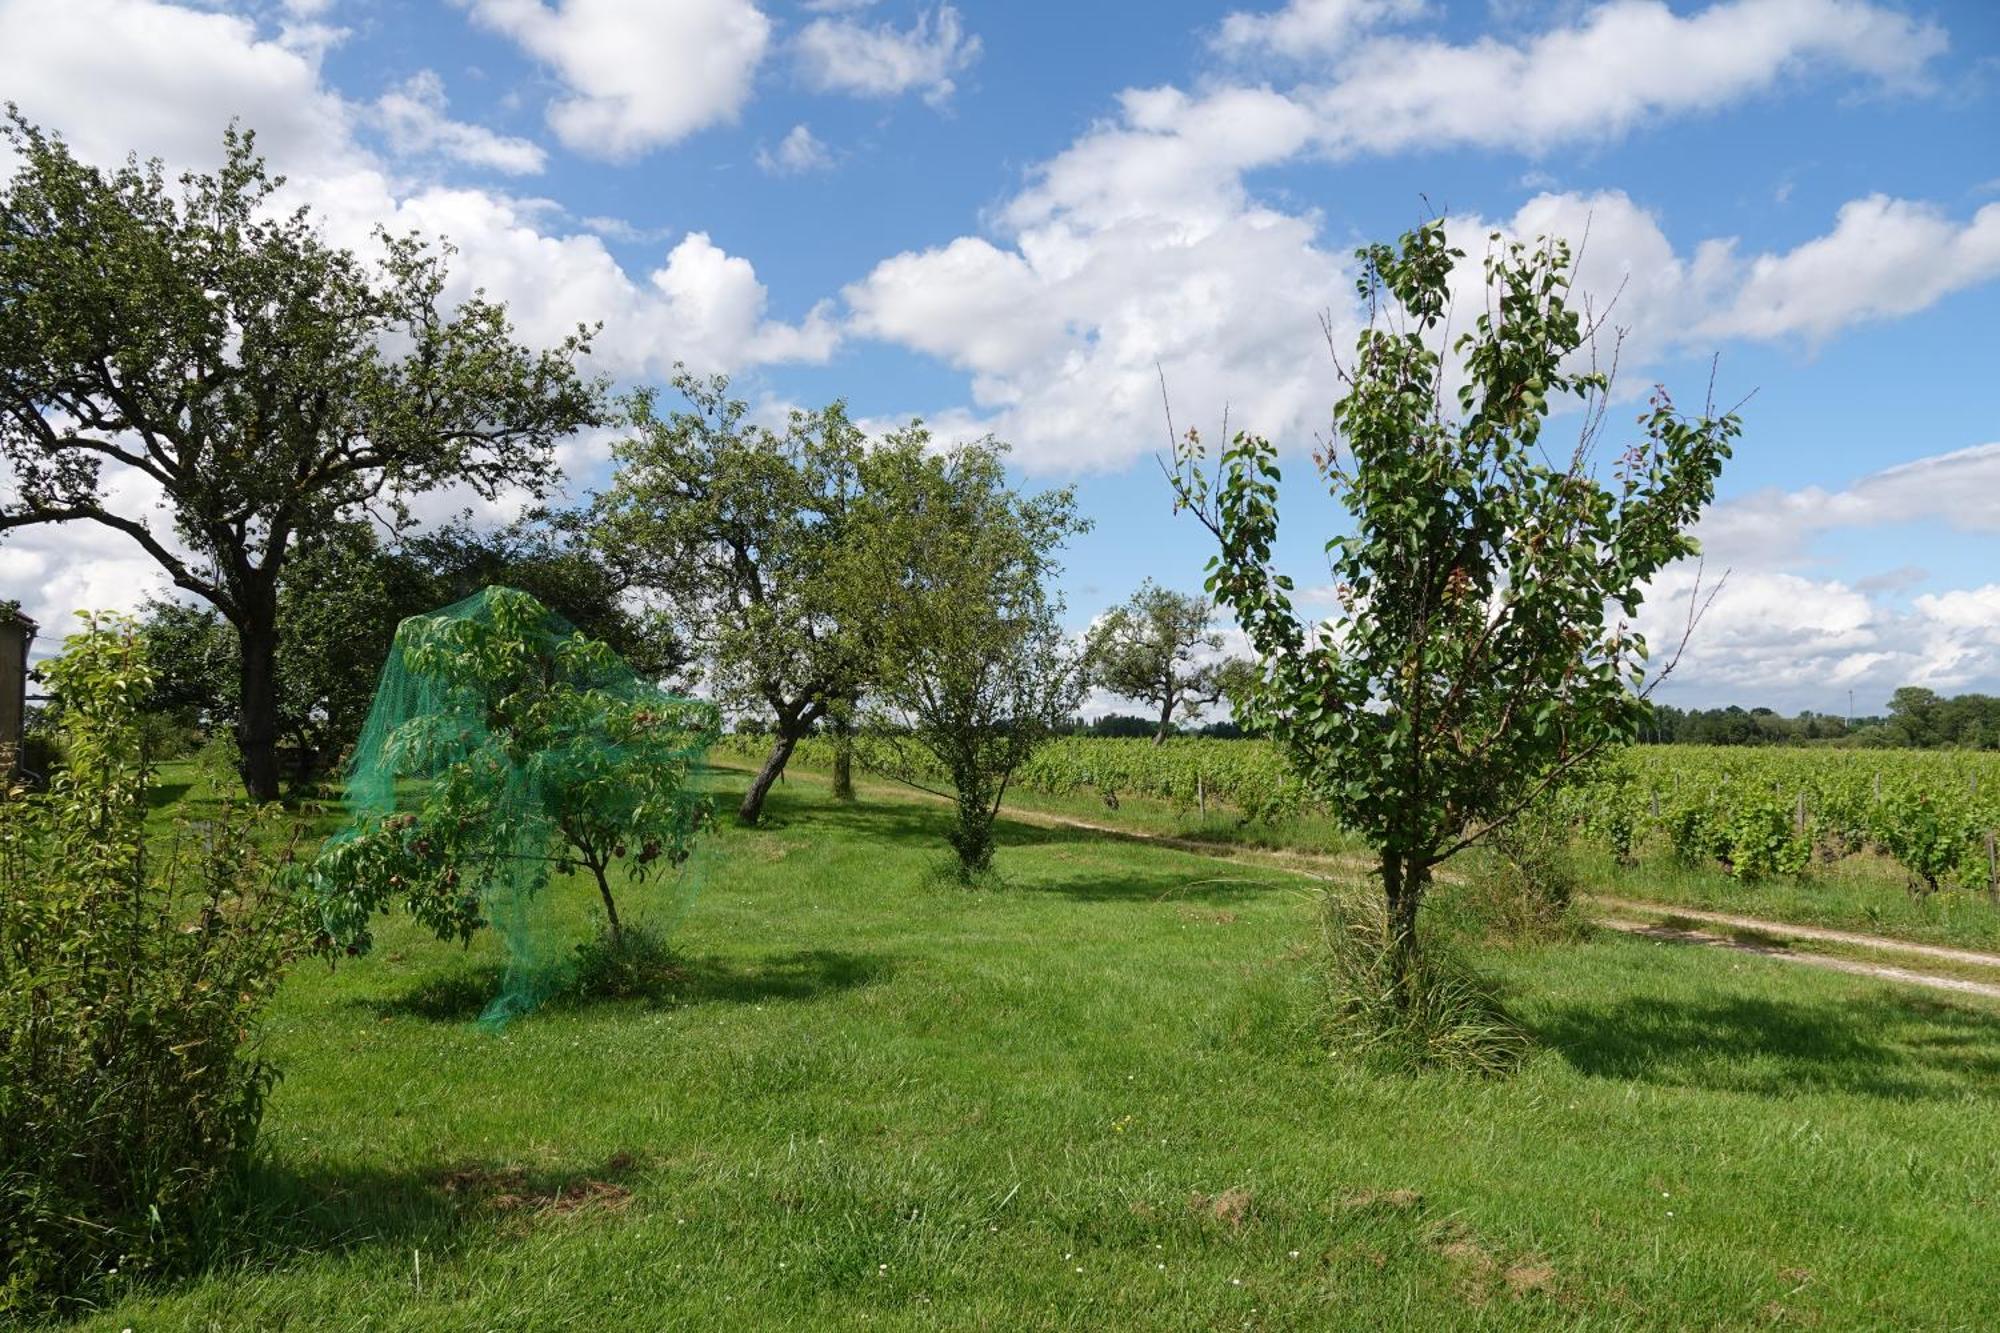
x,y
505,749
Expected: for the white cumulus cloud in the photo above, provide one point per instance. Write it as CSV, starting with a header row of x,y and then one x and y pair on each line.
x,y
799,151
1306,28
413,118
638,75
846,55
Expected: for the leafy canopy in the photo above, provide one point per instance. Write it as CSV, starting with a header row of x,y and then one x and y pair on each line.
x,y
1162,647
971,663
210,346
738,533
1472,662
504,746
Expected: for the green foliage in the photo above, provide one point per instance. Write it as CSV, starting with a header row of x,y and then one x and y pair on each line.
x,y
742,537
1161,648
1250,777
503,746
1762,840
204,343
1613,814
635,964
972,670
1930,812
132,972
1929,836
1470,666
1527,888
339,602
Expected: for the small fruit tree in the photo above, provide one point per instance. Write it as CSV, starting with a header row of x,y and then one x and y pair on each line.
x,y
1471,665
974,671
504,745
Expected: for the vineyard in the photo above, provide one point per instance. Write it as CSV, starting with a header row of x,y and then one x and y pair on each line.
x,y
1763,813
1754,813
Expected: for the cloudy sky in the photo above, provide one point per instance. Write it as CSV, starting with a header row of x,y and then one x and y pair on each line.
x,y
1016,217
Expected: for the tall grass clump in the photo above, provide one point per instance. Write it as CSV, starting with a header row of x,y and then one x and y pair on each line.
x,y
636,964
1525,888
132,972
1427,1011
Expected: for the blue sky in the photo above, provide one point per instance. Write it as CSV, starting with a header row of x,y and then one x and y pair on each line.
x,y
1004,216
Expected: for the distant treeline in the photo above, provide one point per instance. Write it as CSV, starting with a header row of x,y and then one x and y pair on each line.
x,y
1917,719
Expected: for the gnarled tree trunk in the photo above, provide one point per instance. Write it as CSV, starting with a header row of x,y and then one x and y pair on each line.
x,y
752,808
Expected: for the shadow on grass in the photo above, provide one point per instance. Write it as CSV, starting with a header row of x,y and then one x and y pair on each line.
x,y
808,974
916,827
288,1210
167,792
1900,1047
450,997
902,822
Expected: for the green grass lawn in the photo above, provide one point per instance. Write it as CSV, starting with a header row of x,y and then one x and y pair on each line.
x,y
1081,1100
1866,892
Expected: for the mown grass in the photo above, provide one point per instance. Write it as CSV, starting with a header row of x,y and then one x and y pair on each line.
x,y
1080,1100
1867,892
1868,896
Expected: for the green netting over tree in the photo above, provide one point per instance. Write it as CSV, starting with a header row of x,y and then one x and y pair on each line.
x,y
504,748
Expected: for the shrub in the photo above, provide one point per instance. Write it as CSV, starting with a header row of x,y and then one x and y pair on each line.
x,y
635,964
1439,1014
131,976
1526,889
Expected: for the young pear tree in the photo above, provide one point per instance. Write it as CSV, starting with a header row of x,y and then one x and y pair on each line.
x,y
738,532
971,662
1161,648
202,345
1472,663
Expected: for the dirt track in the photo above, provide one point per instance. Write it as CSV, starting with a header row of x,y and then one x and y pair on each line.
x,y
1326,868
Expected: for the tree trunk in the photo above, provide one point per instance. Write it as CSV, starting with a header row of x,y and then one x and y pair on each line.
x,y
972,836
752,808
257,710
1166,722
1404,880
610,907
843,763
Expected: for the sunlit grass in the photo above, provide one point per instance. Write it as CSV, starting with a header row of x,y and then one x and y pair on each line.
x,y
1083,1099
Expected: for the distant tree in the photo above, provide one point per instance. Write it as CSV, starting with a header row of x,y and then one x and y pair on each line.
x,y
1161,647
740,535
339,599
1971,721
550,556
266,384
971,662
1469,667
1915,716
1122,726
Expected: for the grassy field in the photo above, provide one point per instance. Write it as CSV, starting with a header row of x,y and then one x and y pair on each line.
x,y
1083,1100
1867,892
